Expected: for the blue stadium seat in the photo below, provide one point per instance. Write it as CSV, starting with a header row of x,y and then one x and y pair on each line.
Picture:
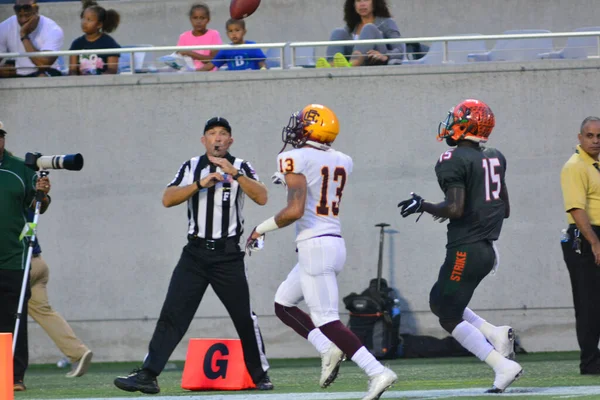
x,y
457,52
516,49
62,67
305,57
576,48
138,60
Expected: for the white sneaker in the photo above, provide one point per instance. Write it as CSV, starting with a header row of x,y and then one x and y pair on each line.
x,y
503,340
505,376
380,383
330,365
80,367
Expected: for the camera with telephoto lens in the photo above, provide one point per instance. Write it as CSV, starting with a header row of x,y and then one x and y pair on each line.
x,y
36,161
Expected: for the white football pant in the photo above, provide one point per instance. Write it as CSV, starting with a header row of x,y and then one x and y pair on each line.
x,y
314,278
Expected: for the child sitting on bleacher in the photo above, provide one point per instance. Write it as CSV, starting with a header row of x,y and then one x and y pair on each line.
x,y
237,59
200,35
96,23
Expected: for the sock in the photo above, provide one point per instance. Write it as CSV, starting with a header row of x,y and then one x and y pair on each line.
x,y
495,360
485,327
367,362
319,341
472,339
295,318
342,337
472,318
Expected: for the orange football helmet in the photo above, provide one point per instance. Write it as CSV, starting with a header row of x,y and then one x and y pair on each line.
x,y
315,123
469,120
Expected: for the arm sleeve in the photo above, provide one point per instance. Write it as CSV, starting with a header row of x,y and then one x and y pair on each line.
x,y
220,58
258,55
390,30
181,40
249,171
574,184
53,41
184,176
217,38
112,44
4,36
291,162
31,178
450,173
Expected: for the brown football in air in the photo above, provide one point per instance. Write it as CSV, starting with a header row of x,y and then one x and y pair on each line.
x,y
240,9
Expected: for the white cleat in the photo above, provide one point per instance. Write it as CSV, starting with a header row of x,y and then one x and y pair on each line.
x,y
503,340
505,376
330,365
380,383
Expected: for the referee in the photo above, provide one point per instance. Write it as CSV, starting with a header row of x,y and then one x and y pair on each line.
x,y
214,186
580,181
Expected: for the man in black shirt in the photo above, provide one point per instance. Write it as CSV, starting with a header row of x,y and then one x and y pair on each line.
x,y
214,186
476,203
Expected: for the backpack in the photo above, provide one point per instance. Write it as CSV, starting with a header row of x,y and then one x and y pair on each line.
x,y
375,319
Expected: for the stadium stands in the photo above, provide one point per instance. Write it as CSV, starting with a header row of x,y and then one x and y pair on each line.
x,y
457,52
576,47
516,49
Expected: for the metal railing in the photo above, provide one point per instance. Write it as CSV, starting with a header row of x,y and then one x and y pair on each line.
x,y
292,46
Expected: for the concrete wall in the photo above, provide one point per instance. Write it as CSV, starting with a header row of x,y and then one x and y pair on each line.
x,y
160,22
111,245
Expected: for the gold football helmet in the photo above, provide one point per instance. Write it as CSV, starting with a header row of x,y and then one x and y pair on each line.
x,y
315,123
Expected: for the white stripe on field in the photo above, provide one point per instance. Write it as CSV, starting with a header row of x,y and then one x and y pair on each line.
x,y
563,392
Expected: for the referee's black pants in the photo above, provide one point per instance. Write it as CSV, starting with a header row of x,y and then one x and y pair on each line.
x,y
10,291
225,271
585,283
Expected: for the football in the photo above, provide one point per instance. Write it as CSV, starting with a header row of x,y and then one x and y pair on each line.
x,y
240,9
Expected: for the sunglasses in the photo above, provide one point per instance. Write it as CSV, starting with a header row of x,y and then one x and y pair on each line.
x,y
25,7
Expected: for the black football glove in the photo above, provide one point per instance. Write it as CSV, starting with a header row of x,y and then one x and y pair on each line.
x,y
411,206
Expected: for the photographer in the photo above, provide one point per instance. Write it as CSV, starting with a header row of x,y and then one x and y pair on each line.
x,y
19,184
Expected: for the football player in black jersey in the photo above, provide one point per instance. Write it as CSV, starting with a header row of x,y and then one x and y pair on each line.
x,y
476,203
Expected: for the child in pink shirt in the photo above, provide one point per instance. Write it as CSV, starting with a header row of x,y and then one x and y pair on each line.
x,y
200,35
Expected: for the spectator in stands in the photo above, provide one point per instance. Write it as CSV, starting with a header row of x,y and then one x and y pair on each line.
x,y
96,23
200,35
365,19
237,59
30,32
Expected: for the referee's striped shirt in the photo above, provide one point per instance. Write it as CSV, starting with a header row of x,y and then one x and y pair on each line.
x,y
215,212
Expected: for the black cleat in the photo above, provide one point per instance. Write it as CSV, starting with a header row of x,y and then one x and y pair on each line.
x,y
265,383
139,380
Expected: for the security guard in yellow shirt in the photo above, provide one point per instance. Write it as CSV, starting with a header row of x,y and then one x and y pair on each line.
x,y
580,181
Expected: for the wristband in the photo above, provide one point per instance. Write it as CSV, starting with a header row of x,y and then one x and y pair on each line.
x,y
198,184
24,37
267,226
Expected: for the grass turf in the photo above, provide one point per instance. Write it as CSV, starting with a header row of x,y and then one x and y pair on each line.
x,y
302,375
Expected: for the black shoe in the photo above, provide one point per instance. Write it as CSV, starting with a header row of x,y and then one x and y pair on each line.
x,y
264,384
593,370
139,380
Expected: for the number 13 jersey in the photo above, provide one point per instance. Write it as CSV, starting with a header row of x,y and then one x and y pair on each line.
x,y
326,173
480,171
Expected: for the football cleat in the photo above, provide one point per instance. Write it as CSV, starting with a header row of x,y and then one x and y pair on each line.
x,y
503,340
330,365
505,376
380,383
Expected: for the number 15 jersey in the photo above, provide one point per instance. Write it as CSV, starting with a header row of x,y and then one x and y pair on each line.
x,y
326,173
480,171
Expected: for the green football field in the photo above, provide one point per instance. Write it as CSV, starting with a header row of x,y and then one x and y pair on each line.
x,y
547,375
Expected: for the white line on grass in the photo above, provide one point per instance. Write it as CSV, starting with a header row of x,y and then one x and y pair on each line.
x,y
568,391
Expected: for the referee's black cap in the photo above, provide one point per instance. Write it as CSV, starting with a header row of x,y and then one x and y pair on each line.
x,y
3,132
217,121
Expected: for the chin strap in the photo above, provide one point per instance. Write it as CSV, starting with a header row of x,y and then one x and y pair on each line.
x,y
317,145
